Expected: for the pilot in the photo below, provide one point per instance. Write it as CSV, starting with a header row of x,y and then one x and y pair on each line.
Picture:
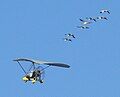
x,y
33,76
37,76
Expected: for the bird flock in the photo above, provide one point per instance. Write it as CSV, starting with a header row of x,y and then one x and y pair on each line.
x,y
85,24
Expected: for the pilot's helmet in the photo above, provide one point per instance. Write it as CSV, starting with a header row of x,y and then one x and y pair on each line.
x,y
31,73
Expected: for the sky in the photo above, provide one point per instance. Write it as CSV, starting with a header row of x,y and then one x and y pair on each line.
x,y
35,29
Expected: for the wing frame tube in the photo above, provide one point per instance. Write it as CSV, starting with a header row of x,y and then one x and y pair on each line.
x,y
44,62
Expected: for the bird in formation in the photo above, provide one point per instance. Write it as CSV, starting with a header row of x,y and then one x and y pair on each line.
x,y
85,24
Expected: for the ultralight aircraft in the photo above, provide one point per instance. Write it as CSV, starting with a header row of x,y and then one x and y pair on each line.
x,y
36,72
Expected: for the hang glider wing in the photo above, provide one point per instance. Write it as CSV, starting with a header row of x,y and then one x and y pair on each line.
x,y
57,64
43,62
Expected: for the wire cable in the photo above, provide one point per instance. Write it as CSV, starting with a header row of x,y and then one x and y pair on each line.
x,y
21,67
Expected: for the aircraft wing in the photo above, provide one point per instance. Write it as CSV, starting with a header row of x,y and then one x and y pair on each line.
x,y
57,64
43,62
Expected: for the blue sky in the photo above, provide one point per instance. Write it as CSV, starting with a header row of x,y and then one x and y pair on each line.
x,y
35,28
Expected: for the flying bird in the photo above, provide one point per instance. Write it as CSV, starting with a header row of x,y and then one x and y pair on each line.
x,y
83,27
102,17
70,35
67,39
104,11
85,22
90,18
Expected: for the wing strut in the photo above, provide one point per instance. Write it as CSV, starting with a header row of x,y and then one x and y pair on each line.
x,y
45,67
32,66
22,67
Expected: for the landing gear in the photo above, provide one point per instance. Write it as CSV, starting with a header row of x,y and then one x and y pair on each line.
x,y
41,81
